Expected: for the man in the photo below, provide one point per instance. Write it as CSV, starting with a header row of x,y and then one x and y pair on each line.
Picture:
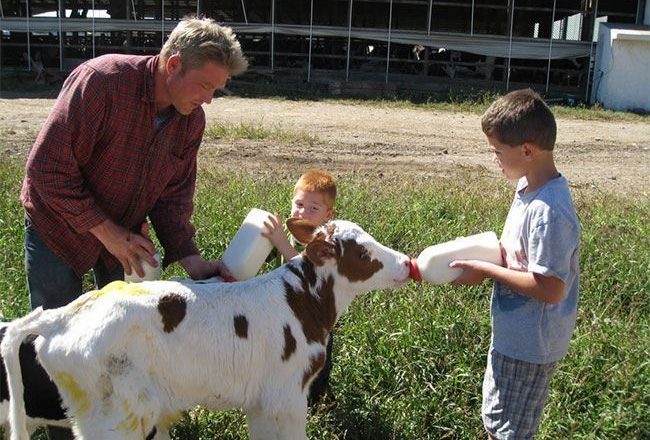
x,y
120,147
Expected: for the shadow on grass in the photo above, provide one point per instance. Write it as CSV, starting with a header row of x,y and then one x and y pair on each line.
x,y
353,418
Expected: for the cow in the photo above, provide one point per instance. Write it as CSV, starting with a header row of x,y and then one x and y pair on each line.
x,y
129,359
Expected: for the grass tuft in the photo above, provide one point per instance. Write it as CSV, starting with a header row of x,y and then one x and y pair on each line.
x,y
258,132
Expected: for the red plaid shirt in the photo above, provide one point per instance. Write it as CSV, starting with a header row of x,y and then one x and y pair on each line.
x,y
99,156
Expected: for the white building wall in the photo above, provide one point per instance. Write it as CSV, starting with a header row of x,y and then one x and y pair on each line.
x,y
622,67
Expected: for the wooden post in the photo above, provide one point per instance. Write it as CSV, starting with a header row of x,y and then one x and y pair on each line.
x,y
311,25
347,64
591,54
390,24
61,13
550,48
272,33
511,12
29,38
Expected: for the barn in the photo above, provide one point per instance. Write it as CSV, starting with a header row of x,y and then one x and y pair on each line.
x,y
371,47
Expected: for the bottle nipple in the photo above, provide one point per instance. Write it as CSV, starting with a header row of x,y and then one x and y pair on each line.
x,y
414,270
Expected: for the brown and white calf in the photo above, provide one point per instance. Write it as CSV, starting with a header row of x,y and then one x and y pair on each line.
x,y
132,357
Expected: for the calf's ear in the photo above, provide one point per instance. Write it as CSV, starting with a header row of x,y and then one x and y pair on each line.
x,y
303,230
319,250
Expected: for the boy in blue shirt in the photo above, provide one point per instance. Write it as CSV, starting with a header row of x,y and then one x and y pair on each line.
x,y
535,293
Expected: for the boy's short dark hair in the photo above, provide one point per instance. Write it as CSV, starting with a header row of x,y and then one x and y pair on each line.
x,y
519,117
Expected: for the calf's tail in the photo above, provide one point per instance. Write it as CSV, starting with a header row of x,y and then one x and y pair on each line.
x,y
16,332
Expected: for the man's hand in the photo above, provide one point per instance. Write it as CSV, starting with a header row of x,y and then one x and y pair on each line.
x,y
199,269
129,248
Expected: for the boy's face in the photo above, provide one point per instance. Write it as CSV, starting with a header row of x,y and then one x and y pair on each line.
x,y
512,160
310,206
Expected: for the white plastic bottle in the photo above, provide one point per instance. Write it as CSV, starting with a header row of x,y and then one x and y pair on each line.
x,y
150,273
248,249
432,264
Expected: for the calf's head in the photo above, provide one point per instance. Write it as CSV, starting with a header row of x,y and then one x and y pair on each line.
x,y
344,248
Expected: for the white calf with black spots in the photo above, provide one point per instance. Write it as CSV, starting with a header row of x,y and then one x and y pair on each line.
x,y
42,401
129,359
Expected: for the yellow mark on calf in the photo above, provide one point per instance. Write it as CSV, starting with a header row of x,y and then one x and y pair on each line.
x,y
119,287
71,388
129,423
85,299
125,288
143,427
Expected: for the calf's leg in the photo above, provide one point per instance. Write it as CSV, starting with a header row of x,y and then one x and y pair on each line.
x,y
293,425
287,425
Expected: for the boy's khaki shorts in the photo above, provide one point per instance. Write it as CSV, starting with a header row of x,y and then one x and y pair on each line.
x,y
514,396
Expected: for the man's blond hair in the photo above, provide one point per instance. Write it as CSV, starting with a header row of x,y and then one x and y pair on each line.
x,y
319,181
519,117
199,40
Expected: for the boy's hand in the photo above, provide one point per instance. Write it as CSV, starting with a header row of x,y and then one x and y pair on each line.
x,y
275,233
275,230
474,272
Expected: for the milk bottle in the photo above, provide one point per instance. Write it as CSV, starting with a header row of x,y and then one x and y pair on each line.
x,y
248,249
432,264
150,273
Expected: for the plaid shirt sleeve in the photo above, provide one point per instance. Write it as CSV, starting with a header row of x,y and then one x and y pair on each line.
x,y
63,144
172,212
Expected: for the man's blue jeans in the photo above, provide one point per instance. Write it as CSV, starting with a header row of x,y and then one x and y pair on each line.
x,y
51,281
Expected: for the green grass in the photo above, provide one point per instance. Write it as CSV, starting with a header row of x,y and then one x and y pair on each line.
x,y
408,363
13,300
257,131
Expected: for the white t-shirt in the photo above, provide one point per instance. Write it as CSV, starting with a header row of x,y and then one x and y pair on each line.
x,y
541,235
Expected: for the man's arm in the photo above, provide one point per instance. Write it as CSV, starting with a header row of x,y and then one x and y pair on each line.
x,y
199,269
66,141
129,248
172,212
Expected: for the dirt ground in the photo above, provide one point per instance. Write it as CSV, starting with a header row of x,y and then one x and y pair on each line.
x,y
608,156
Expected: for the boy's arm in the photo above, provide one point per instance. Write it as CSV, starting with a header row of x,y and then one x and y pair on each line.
x,y
275,233
546,289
